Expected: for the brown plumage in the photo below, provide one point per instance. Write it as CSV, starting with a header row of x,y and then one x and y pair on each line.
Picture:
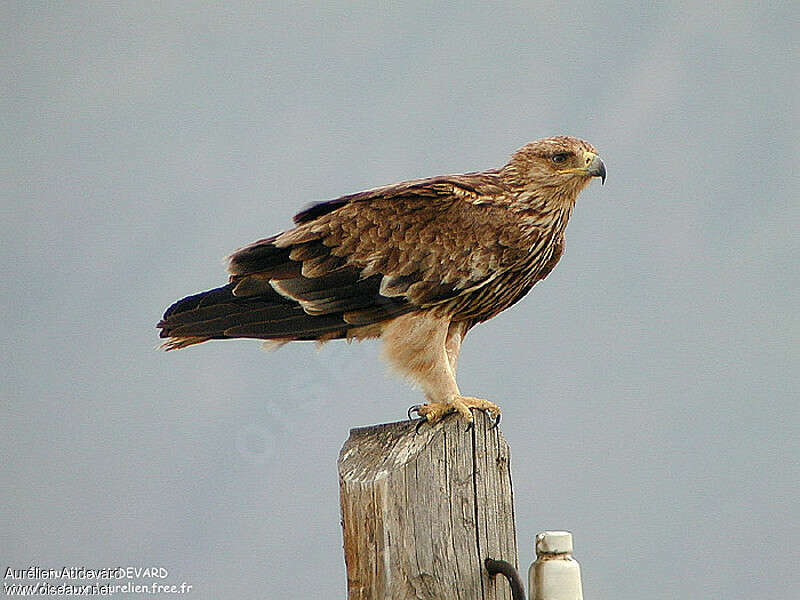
x,y
416,263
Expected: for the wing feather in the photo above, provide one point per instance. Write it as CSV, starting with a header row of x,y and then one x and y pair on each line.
x,y
362,259
416,244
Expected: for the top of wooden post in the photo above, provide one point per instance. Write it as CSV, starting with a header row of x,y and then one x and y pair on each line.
x,y
421,511
373,451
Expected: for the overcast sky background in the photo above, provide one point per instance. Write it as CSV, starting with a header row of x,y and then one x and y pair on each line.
x,y
650,385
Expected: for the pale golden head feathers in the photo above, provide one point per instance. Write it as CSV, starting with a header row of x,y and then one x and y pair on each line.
x,y
561,162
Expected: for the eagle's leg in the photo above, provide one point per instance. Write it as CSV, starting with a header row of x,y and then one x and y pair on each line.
x,y
425,348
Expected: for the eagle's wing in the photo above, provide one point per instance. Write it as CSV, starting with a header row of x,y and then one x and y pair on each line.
x,y
418,244
363,259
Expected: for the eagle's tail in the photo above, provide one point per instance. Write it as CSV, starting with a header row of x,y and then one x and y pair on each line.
x,y
218,314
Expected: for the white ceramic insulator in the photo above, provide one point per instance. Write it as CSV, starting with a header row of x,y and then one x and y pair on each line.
x,y
555,575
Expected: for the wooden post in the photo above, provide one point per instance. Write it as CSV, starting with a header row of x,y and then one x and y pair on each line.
x,y
421,511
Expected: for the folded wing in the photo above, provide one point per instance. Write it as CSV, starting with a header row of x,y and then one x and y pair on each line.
x,y
359,260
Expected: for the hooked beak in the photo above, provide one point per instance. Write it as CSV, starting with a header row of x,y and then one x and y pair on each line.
x,y
596,167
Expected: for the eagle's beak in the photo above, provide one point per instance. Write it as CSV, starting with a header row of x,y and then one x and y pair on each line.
x,y
595,167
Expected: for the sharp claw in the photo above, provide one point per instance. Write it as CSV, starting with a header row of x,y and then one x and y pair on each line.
x,y
496,421
470,425
420,422
412,409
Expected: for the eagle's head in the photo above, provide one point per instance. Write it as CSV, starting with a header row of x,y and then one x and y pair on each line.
x,y
560,166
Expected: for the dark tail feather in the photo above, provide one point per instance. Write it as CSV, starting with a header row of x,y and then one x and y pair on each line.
x,y
211,297
218,314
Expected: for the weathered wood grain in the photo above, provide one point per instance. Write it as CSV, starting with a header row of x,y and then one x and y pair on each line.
x,y
421,512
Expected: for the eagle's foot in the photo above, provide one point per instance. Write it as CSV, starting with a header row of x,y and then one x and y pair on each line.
x,y
434,412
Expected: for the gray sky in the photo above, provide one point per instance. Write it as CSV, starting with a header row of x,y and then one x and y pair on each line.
x,y
649,385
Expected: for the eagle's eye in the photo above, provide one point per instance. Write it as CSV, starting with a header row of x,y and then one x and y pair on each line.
x,y
560,157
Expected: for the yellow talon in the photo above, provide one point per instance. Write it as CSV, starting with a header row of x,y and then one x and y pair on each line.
x,y
463,405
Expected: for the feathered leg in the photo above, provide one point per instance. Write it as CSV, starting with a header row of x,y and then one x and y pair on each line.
x,y
425,348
